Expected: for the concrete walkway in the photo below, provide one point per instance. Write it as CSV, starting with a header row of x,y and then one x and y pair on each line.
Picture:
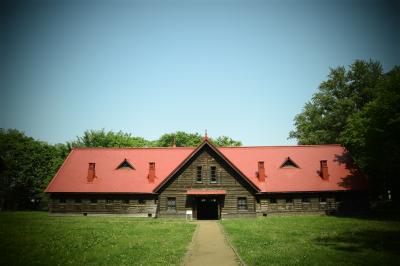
x,y
209,247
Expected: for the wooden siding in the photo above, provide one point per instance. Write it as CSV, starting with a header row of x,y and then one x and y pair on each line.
x,y
226,180
134,205
319,202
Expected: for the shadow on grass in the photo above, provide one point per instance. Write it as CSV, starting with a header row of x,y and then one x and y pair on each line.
x,y
370,215
351,241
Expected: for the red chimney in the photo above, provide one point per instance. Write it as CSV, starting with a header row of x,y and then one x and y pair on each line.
x,y
91,172
261,171
324,170
152,172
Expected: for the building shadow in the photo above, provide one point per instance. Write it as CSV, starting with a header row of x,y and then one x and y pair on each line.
x,y
351,241
356,180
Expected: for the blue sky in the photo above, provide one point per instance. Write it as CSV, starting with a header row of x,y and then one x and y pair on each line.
x,y
237,68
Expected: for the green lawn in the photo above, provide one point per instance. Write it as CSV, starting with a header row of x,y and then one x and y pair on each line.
x,y
315,240
34,238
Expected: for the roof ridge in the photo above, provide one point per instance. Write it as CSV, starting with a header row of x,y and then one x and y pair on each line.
x,y
191,147
290,146
226,147
130,148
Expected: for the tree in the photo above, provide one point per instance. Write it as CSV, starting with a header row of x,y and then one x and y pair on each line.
x,y
360,109
27,167
225,141
100,138
183,139
373,135
343,94
180,138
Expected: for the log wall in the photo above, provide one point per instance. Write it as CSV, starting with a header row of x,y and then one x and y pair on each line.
x,y
316,202
226,180
133,205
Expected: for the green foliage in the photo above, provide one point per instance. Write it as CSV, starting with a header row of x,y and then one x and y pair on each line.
x,y
27,167
34,238
183,139
315,240
360,109
180,138
373,134
225,141
343,94
100,138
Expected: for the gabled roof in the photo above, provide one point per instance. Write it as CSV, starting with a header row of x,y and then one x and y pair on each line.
x,y
343,175
71,177
206,144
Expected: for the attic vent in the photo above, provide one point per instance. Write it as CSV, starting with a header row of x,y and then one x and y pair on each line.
x,y
289,163
125,164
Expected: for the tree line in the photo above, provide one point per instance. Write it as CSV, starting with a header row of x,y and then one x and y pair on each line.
x,y
27,165
359,107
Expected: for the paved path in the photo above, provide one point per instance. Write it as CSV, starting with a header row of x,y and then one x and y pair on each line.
x,y
209,247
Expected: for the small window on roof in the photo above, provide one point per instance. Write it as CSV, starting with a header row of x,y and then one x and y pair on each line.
x,y
289,163
125,165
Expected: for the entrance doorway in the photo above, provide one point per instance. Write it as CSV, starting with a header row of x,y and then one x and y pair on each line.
x,y
207,209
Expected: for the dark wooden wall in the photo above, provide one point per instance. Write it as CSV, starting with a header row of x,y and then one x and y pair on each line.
x,y
317,202
131,204
226,181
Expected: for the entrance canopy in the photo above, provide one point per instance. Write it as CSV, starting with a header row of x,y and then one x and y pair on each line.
x,y
205,192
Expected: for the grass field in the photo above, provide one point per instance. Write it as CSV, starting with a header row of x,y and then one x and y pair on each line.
x,y
34,238
315,240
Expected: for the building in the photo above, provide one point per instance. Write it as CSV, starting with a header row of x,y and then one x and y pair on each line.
x,y
210,181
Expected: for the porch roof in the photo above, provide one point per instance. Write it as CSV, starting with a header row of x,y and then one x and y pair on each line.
x,y
206,192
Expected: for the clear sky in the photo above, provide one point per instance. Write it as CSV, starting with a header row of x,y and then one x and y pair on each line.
x,y
237,68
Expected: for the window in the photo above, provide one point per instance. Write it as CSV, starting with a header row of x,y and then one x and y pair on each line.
x,y
213,174
125,201
109,201
289,200
171,204
141,201
62,200
242,203
272,200
125,165
322,199
199,178
289,163
93,200
306,200
78,200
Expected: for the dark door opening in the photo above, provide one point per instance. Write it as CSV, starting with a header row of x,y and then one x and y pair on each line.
x,y
207,209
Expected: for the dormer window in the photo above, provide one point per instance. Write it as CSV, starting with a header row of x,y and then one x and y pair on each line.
x,y
289,163
125,165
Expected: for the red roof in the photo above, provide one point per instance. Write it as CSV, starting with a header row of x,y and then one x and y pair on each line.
x,y
205,192
72,176
342,175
